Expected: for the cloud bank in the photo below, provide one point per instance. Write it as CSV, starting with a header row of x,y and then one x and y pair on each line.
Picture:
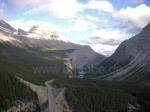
x,y
104,37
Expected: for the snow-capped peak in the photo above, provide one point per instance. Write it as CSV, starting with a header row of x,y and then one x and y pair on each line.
x,y
39,32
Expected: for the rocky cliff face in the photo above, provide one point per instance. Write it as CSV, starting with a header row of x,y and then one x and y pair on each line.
x,y
133,56
6,27
43,38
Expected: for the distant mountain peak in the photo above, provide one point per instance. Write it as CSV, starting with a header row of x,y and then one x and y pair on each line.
x,y
40,32
44,37
36,32
6,27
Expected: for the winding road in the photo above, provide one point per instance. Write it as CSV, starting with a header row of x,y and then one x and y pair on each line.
x,y
50,98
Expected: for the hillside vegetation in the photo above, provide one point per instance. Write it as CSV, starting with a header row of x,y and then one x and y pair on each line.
x,y
12,90
35,65
89,95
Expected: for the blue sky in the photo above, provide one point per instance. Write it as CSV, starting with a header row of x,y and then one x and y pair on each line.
x,y
102,24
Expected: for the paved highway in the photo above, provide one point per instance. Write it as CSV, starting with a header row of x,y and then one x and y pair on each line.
x,y
50,98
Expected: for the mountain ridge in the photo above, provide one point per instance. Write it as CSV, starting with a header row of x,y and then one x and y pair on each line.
x,y
132,57
78,58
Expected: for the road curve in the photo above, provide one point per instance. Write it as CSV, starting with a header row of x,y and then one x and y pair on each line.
x,y
50,98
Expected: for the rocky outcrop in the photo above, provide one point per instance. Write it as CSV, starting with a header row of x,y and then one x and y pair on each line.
x,y
24,107
6,26
79,56
133,57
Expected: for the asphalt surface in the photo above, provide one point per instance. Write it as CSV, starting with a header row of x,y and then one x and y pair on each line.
x,y
50,98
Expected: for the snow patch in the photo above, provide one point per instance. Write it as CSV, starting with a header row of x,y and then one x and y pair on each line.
x,y
38,32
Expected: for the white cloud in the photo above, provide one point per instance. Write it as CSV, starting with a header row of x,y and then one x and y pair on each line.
x,y
104,37
60,8
100,5
105,50
80,25
137,17
91,18
104,21
108,50
26,25
104,41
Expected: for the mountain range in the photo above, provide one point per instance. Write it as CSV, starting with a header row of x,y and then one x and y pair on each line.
x,y
131,60
40,37
40,55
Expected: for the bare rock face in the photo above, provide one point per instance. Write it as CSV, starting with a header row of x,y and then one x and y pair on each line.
x,y
37,36
21,32
4,25
133,56
23,107
78,55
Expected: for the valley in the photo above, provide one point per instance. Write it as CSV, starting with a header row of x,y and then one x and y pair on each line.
x,y
41,71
